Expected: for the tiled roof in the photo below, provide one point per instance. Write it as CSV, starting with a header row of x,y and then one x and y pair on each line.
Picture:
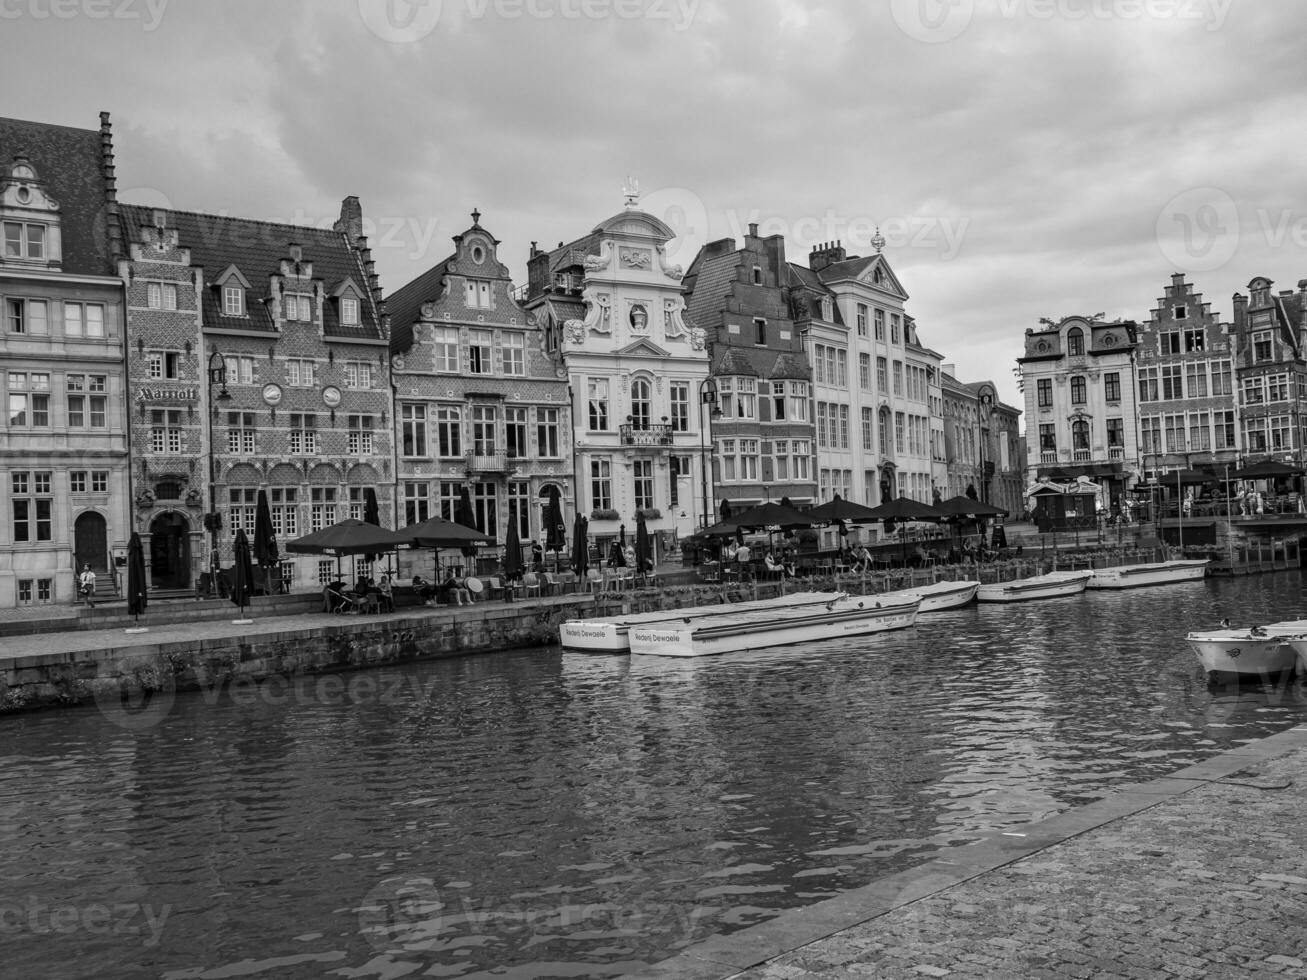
x,y
760,362
848,269
801,275
562,309
256,248
791,366
405,303
737,360
70,163
573,253
1288,310
711,287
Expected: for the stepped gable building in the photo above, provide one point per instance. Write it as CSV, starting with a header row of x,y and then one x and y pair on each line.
x,y
1271,371
1080,402
479,402
614,320
258,354
761,380
1186,399
64,465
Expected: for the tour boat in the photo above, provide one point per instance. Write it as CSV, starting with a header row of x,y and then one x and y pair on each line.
x,y
936,596
1050,586
1154,573
1260,651
842,616
610,635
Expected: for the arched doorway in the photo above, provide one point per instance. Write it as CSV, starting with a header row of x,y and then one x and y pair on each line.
x,y
90,543
170,551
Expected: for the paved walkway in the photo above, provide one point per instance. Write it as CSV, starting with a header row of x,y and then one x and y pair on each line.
x,y
1200,874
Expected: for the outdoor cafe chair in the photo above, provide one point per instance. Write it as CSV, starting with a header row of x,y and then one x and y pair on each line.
x,y
531,584
594,581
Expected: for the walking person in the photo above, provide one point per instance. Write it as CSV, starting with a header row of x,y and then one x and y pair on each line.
x,y
86,585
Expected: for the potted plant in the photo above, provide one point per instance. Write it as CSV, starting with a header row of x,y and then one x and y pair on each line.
x,y
603,514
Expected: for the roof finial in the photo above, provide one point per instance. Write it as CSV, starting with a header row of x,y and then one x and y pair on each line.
x,y
476,218
631,189
878,240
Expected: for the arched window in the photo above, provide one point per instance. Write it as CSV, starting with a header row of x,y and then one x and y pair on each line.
x,y
641,404
1075,342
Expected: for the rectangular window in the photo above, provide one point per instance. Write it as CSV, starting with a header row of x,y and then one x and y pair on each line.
x,y
514,348
864,371
358,441
32,504
898,377
240,433
1044,392
417,502
283,504
1175,433
1112,386
601,483
1116,432
547,445
1150,434
27,316
1171,384
781,459
597,403
1252,390
822,440
480,356
24,240
642,474
900,438
1047,437
163,364
447,495
349,311
485,508
882,374
413,430
1223,429
299,307
868,429
862,319
1193,340
240,370
726,459
299,373
1200,440
841,368
678,394
749,459
322,507
894,321
1078,390
484,418
1148,384
798,401
819,363
746,398
1196,379
519,507
358,374
448,420
242,510
445,349
303,434
878,318
477,294
844,427
233,301
1222,376
1170,342
84,319
515,443
760,331
166,430
1262,350
77,481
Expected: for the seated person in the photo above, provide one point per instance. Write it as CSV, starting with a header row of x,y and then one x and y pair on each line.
x,y
924,557
425,590
787,563
861,559
773,566
387,594
455,589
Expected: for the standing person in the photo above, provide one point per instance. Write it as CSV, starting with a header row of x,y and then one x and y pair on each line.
x,y
86,585
742,561
537,557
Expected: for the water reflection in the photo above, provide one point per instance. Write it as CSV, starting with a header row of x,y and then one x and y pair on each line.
x,y
558,814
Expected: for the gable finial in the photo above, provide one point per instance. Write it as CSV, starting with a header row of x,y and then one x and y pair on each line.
x,y
476,218
878,240
631,191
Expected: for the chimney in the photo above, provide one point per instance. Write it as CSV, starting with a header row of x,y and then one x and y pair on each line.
x,y
753,229
826,254
774,246
350,223
1240,306
113,229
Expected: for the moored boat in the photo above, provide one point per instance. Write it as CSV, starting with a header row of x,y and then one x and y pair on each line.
x,y
845,616
936,596
1050,586
1260,651
1153,573
610,635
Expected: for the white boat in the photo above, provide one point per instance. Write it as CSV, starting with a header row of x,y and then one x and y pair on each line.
x,y
1050,586
610,635
936,596
1154,573
1260,651
846,616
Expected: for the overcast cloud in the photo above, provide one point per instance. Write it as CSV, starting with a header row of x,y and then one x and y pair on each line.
x,y
1024,158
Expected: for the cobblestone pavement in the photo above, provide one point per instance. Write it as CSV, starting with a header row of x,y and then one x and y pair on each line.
x,y
1201,874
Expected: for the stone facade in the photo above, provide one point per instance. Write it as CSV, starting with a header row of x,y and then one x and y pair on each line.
x,y
64,466
479,401
759,395
258,355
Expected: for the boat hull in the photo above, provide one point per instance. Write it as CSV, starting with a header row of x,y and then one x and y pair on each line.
x,y
610,635
1157,573
937,596
852,616
1239,652
1052,586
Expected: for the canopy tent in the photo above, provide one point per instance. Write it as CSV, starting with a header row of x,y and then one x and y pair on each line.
x,y
839,509
1267,469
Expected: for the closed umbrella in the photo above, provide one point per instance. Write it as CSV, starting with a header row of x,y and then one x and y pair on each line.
x,y
580,548
555,529
465,515
136,593
726,510
513,566
243,572
265,541
643,548
371,515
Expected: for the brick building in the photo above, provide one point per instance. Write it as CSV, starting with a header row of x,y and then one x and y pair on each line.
x,y
1270,357
64,467
760,378
478,401
286,322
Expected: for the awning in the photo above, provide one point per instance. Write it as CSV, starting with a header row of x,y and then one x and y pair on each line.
x,y
1066,473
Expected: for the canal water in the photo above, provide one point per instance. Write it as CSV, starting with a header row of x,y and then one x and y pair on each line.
x,y
538,813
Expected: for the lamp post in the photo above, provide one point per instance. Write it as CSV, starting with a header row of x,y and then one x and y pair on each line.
x,y
213,520
707,396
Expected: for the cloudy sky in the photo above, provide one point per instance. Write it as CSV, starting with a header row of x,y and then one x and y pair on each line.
x,y
1023,158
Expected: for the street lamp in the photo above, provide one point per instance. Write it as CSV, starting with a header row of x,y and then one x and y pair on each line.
x,y
213,520
707,396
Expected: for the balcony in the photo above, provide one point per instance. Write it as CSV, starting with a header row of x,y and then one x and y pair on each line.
x,y
648,437
1082,456
1048,456
488,463
1116,454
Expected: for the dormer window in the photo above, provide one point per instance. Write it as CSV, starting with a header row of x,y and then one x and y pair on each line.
x,y
233,301
827,311
24,240
298,307
1075,342
349,311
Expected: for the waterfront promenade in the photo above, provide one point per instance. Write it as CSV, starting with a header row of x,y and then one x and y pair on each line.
x,y
1199,874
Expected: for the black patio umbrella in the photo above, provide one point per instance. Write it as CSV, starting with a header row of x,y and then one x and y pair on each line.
x,y
773,517
839,509
437,533
242,572
971,491
265,541
136,589
349,537
1187,477
513,567
905,509
465,515
722,529
555,529
643,548
963,506
371,512
1267,469
580,546
726,510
